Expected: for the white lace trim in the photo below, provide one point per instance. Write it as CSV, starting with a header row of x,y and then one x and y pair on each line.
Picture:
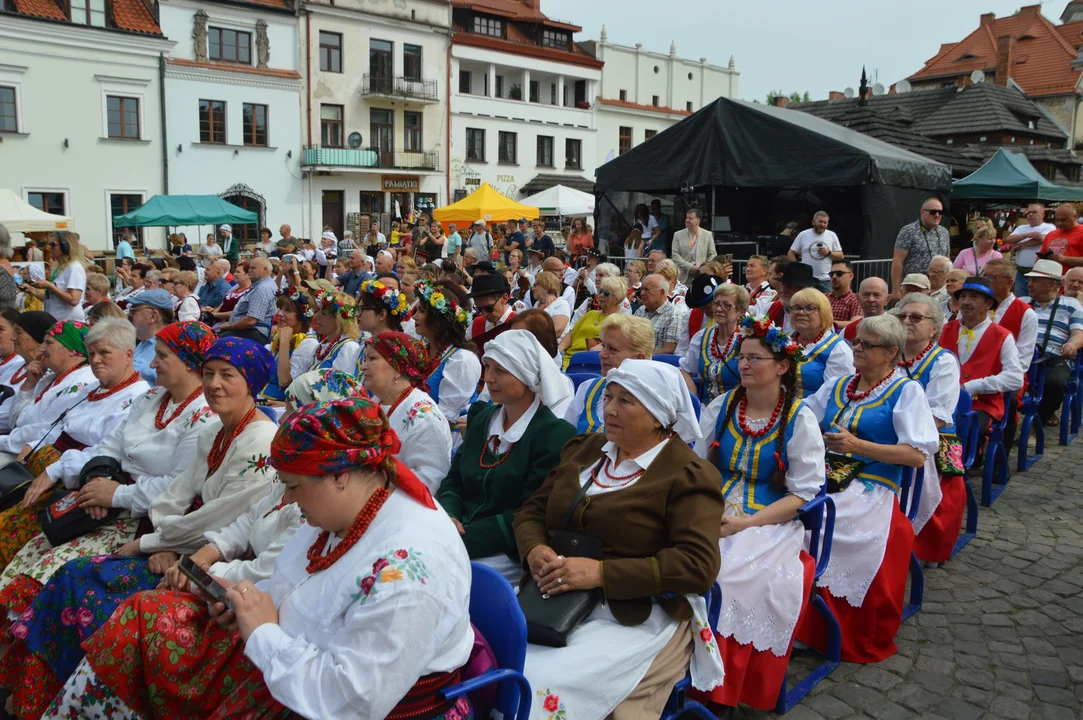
x,y
862,524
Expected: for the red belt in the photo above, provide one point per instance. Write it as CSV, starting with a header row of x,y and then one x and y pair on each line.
x,y
66,442
424,699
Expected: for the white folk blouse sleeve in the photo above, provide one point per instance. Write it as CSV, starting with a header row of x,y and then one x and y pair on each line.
x,y
913,420
43,426
301,359
817,402
942,392
462,372
690,356
265,530
1010,377
575,408
426,439
243,479
346,360
189,309
805,454
708,419
840,362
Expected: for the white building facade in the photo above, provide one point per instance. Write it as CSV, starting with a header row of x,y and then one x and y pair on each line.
x,y
521,117
642,93
375,111
80,111
233,109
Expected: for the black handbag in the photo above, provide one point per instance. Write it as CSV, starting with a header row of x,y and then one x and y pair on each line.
x,y
15,479
62,520
550,620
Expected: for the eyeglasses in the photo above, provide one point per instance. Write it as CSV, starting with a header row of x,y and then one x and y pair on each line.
x,y
914,318
840,273
865,344
803,309
727,306
933,212
605,293
752,359
485,309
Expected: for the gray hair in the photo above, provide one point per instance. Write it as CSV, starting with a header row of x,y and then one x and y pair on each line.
x,y
940,260
737,292
932,309
5,243
819,214
888,329
223,265
115,332
153,276
606,270
616,285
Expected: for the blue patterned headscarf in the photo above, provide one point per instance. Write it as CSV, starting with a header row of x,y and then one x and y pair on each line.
x,y
253,360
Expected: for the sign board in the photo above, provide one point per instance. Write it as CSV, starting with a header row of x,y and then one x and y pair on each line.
x,y
472,181
400,183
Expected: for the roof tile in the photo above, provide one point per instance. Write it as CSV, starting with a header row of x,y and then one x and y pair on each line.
x,y
133,15
640,106
40,8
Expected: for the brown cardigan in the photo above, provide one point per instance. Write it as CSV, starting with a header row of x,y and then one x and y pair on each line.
x,y
659,536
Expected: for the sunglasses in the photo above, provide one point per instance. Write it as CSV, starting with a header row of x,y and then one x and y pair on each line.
x,y
913,318
935,212
485,309
840,273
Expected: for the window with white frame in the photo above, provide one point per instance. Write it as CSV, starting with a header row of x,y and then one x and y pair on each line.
x,y
9,110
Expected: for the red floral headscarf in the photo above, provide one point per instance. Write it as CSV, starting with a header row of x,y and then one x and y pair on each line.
x,y
335,437
190,340
408,356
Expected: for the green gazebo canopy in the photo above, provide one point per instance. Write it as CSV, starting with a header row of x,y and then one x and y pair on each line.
x,y
1009,175
175,210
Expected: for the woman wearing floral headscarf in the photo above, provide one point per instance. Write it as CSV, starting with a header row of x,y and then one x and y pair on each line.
x,y
377,566
228,474
151,446
321,386
395,369
293,358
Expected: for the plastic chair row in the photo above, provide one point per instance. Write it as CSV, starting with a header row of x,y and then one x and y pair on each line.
x,y
587,361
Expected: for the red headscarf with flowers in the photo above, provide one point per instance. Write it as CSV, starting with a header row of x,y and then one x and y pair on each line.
x,y
408,356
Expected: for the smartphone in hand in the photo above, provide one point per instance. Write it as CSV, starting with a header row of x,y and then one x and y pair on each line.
x,y
201,579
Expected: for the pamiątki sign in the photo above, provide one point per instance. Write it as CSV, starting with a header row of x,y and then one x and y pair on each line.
x,y
400,183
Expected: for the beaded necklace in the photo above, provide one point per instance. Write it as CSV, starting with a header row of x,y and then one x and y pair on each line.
x,y
398,402
907,364
742,420
495,441
219,448
17,378
159,423
56,380
99,394
851,389
621,480
317,561
715,352
325,349
817,339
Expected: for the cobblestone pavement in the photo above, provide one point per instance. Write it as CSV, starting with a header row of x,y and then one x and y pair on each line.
x,y
1000,634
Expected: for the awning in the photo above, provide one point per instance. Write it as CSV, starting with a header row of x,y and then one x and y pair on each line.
x,y
544,181
173,210
486,204
561,200
1009,175
19,216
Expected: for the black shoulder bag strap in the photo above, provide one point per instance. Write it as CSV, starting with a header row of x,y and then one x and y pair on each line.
x,y
1048,328
578,498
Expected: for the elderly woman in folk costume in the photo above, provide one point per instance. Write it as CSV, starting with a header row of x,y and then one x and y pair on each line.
x,y
228,474
441,321
374,586
153,444
654,507
540,325
876,426
508,449
30,331
11,361
767,445
940,512
293,359
825,355
336,326
712,352
394,370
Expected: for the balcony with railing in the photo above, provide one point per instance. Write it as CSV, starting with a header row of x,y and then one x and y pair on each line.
x,y
371,158
400,88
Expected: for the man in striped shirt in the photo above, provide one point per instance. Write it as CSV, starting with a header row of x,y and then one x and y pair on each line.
x,y
1060,332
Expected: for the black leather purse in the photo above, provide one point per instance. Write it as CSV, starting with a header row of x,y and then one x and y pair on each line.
x,y
62,520
550,620
15,477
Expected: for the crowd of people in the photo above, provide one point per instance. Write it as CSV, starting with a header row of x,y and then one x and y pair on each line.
x,y
334,438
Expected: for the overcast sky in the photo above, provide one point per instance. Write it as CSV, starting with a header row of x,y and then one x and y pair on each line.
x,y
791,45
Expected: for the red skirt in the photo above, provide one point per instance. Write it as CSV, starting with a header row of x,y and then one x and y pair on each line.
x,y
868,632
754,677
936,540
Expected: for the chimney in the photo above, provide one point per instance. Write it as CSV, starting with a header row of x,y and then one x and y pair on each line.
x,y
835,95
534,5
1005,58
987,19
781,101
1030,10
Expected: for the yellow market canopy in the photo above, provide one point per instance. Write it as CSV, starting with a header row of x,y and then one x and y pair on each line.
x,y
486,204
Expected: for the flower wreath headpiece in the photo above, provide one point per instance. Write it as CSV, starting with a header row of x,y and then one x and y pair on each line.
x,y
337,308
393,299
300,300
773,336
435,298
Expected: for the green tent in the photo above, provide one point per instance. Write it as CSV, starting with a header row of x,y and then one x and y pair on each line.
x,y
176,210
1009,175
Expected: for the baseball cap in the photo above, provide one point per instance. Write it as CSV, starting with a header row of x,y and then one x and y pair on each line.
x,y
917,280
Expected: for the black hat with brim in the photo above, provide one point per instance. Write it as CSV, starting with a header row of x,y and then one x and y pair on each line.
x,y
702,290
799,275
495,284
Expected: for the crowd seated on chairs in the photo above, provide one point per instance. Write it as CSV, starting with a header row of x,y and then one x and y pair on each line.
x,y
622,337
1060,334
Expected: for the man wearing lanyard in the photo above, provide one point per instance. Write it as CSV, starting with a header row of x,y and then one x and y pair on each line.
x,y
1025,241
917,244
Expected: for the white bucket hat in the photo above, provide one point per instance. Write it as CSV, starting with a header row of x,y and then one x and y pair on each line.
x,y
1048,269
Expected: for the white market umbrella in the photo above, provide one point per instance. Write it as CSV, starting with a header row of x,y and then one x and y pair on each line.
x,y
19,216
561,200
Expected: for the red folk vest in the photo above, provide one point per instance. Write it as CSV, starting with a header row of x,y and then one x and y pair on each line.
x,y
776,313
479,336
850,331
695,321
1013,317
984,361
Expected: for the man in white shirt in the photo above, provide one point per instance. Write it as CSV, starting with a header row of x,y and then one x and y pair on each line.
x,y
1025,241
692,246
818,247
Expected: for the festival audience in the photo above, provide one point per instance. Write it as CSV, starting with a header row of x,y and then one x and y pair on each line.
x,y
760,292
794,276
12,362
62,293
546,294
974,258
293,357
621,337
874,296
584,333
939,267
663,314
845,305
489,295
1017,317
335,325
149,312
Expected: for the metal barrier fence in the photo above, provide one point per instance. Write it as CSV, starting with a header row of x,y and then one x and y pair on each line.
x,y
862,268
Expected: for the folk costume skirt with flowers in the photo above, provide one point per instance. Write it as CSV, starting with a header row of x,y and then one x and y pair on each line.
x,y
162,657
18,525
47,638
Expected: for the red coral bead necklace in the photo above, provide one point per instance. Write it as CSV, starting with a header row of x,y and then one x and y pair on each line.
x,y
851,390
721,354
742,420
219,448
317,561
99,394
159,423
907,364
409,389
57,380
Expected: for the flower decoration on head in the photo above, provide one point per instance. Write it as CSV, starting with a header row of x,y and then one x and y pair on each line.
x,y
336,307
393,299
300,300
435,298
71,334
773,336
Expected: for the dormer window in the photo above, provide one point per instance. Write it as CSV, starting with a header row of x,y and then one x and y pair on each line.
x,y
556,39
88,12
489,26
967,56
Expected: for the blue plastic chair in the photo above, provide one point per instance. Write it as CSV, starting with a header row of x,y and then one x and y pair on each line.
x,y
994,476
1070,408
495,612
910,497
1029,420
966,428
586,361
674,360
818,517
273,413
578,378
679,703
696,404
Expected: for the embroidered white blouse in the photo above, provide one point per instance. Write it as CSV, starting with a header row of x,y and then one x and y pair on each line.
x,y
425,435
7,370
150,456
462,373
264,530
942,392
243,479
351,640
36,420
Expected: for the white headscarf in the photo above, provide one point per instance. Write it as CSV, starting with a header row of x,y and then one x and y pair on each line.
x,y
661,389
37,271
520,353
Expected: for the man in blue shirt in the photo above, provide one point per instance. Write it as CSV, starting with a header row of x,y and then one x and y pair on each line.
x,y
515,239
124,247
215,286
149,312
255,311
350,281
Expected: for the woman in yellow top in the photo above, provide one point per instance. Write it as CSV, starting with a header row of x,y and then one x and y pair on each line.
x,y
584,334
295,312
